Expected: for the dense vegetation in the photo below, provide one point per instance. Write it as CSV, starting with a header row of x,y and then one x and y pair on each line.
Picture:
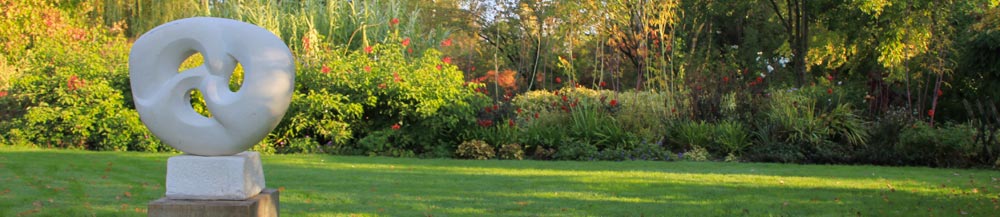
x,y
858,82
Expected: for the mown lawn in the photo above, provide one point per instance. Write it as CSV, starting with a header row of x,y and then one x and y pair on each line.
x,y
36,182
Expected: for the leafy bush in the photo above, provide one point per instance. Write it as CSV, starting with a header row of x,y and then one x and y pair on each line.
x,y
511,152
475,149
697,153
948,146
576,150
73,92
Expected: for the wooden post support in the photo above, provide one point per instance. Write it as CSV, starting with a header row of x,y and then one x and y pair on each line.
x,y
264,204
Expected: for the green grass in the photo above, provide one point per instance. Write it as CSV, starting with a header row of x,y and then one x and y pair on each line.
x,y
82,183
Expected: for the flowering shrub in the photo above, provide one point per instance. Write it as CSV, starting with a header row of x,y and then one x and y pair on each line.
x,y
381,101
73,92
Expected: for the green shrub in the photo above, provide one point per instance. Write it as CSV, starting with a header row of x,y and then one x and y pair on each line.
x,y
731,137
948,146
475,149
576,150
511,152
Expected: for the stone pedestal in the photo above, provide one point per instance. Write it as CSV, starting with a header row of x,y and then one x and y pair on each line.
x,y
234,177
263,204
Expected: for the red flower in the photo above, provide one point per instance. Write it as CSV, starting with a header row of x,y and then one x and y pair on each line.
x,y
829,77
368,68
930,113
564,98
74,83
725,79
394,21
446,60
510,122
4,93
614,102
438,67
325,70
368,49
406,43
674,110
489,110
496,107
485,123
760,79
536,115
572,105
829,90
940,92
558,80
518,109
603,84
446,42
409,50
396,126
564,108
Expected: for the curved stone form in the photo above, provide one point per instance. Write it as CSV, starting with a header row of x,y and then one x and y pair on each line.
x,y
239,119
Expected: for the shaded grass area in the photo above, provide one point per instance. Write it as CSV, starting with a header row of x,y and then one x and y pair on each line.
x,y
82,183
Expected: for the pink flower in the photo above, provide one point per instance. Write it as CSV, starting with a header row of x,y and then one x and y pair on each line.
x,y
368,49
406,42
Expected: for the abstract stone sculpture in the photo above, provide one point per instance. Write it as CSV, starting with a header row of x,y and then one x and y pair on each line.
x,y
239,119
216,165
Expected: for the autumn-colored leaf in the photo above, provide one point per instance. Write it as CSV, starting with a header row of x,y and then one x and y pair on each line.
x,y
128,194
281,189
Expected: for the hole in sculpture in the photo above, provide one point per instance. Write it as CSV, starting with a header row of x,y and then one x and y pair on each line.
x,y
236,80
192,61
198,103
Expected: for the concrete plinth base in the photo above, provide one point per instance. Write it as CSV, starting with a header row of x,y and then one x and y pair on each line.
x,y
264,204
234,177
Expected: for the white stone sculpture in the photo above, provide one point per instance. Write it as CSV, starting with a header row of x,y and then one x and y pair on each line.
x,y
216,165
239,119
